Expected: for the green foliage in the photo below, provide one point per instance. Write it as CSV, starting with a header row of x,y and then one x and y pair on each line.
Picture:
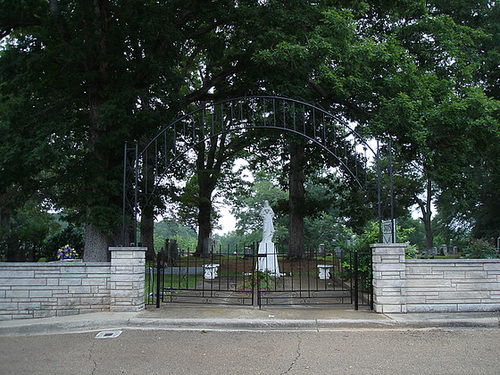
x,y
70,235
80,78
233,242
186,238
362,242
361,245
30,228
411,251
257,279
479,249
41,233
247,202
33,224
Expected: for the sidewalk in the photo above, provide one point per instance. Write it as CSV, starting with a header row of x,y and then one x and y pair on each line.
x,y
216,317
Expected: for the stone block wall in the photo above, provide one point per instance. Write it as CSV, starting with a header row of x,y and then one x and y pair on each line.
x,y
433,285
36,290
452,285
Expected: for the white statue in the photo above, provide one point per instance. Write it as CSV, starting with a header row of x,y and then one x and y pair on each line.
x,y
267,215
269,262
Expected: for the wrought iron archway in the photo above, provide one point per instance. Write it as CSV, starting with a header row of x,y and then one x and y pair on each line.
x,y
145,170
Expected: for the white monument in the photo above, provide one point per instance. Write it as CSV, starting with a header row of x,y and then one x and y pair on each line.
x,y
269,262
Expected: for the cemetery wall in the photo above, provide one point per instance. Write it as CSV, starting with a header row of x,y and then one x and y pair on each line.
x,y
433,285
452,285
36,290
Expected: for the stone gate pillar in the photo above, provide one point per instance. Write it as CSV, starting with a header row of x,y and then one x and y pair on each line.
x,y
389,277
127,278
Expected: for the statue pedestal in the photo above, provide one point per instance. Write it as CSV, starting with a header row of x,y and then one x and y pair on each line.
x,y
269,262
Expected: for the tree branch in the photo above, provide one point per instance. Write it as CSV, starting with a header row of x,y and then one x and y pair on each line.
x,y
62,28
330,97
200,93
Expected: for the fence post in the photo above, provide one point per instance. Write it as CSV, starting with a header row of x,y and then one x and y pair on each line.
x,y
356,277
158,271
161,258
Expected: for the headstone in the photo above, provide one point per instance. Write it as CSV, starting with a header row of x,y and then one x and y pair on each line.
x,y
173,250
248,252
443,250
338,252
161,257
321,249
208,247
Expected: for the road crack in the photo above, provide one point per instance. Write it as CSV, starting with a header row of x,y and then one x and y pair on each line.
x,y
297,355
91,358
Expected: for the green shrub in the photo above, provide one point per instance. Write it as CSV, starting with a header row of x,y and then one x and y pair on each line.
x,y
410,251
479,249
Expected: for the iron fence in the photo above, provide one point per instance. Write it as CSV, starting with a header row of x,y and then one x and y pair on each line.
x,y
341,277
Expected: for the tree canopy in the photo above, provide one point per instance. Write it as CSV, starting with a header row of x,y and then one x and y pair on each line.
x,y
79,78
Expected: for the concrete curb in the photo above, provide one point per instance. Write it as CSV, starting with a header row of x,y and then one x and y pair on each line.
x,y
449,323
225,324
307,325
109,321
222,324
66,324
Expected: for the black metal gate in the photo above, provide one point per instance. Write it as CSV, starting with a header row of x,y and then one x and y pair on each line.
x,y
341,277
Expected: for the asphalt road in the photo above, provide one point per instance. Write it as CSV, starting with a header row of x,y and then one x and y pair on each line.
x,y
436,351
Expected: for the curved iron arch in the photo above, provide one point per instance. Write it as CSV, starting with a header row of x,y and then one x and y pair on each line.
x,y
240,114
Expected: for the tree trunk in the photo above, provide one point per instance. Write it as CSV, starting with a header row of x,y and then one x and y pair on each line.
x,y
5,233
296,201
208,171
429,238
204,221
31,253
13,253
425,209
96,245
97,240
205,189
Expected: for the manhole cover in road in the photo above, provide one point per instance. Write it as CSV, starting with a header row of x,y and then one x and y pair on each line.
x,y
108,334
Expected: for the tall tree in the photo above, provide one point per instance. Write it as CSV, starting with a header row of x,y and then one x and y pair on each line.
x,y
94,74
398,69
296,200
103,66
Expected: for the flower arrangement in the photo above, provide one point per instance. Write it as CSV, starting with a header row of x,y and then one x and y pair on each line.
x,y
66,252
